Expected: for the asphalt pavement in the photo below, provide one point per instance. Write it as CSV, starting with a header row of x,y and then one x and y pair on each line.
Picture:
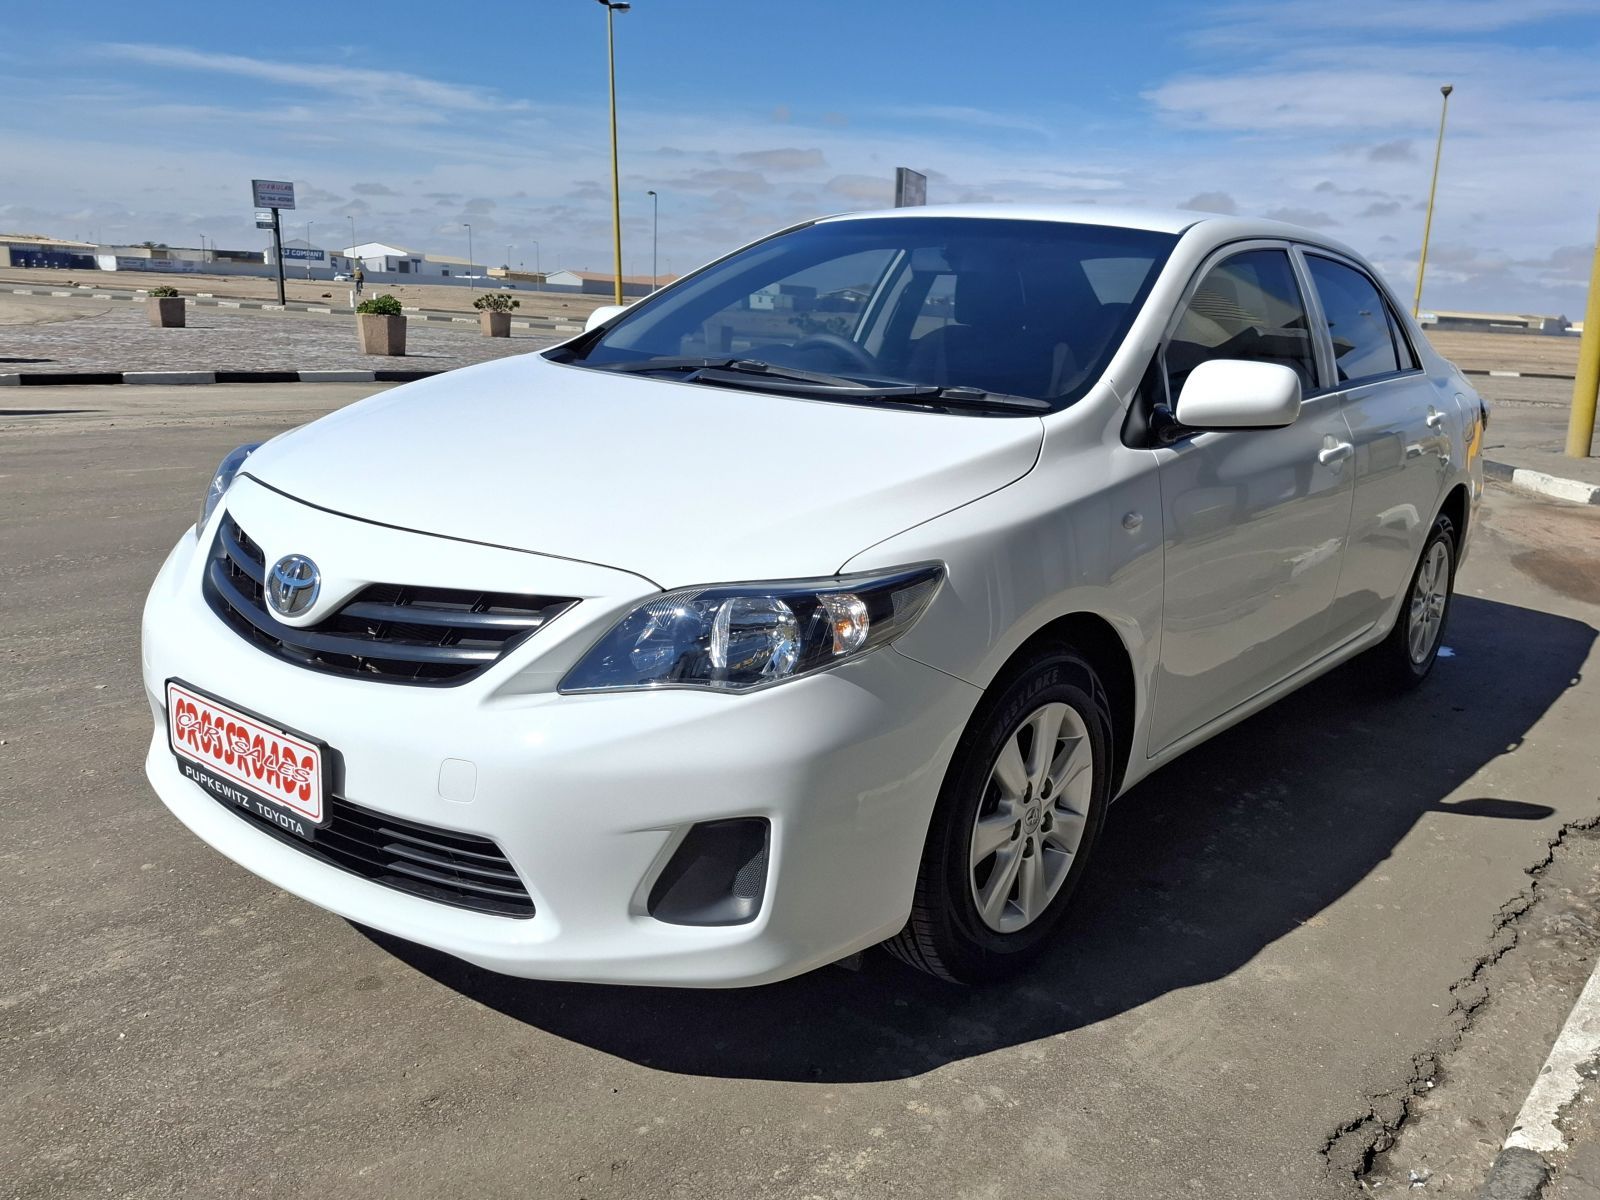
x,y
1284,940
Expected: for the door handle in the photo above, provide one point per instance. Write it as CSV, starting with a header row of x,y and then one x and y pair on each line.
x,y
1334,452
1435,418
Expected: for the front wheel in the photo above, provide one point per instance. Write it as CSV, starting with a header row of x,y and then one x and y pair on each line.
x,y
1020,811
1407,655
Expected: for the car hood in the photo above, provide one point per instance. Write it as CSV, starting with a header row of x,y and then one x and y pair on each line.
x,y
680,483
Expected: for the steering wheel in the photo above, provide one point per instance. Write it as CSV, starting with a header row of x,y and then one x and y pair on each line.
x,y
842,347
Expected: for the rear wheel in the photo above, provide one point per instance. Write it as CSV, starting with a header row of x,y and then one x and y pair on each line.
x,y
1020,811
1407,655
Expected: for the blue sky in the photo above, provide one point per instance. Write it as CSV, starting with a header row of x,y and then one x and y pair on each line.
x,y
127,122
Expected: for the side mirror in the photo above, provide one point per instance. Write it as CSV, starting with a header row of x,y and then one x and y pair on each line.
x,y
1232,393
603,314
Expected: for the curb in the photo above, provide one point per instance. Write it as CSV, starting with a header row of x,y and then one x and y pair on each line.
x,y
1524,479
172,378
1520,374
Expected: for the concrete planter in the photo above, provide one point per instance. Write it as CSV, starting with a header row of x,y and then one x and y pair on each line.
x,y
495,324
166,312
381,333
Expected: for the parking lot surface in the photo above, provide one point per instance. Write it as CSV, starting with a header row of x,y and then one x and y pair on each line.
x,y
1276,928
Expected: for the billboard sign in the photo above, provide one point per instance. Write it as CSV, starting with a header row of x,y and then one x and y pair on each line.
x,y
272,193
910,188
302,253
263,218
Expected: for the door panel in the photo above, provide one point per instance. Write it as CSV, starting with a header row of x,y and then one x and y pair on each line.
x,y
1400,431
1401,465
1255,521
1255,526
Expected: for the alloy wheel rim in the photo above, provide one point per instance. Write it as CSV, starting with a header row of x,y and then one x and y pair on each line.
x,y
1032,818
1428,598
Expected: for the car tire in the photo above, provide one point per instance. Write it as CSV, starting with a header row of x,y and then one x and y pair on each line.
x,y
1405,658
969,922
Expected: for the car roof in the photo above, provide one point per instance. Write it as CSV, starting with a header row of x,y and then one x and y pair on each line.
x,y
1213,228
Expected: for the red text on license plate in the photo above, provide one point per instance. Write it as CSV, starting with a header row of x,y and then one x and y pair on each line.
x,y
275,765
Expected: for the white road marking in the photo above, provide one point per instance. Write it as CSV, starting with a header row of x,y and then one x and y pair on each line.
x,y
1560,1077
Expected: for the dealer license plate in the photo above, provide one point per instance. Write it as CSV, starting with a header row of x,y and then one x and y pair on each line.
x,y
244,760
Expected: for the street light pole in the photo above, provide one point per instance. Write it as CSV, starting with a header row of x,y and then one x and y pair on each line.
x,y
1433,187
538,275
655,237
352,221
309,224
1586,384
613,7
472,284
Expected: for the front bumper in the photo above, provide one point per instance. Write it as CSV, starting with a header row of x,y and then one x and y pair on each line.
x,y
587,796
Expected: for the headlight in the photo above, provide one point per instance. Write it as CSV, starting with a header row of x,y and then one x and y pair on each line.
x,y
221,481
738,637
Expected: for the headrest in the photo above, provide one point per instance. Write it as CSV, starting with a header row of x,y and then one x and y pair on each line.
x,y
990,299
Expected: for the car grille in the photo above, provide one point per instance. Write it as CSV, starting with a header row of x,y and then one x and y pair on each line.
x,y
390,632
461,869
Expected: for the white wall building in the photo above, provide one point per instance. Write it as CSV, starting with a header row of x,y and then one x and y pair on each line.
x,y
382,258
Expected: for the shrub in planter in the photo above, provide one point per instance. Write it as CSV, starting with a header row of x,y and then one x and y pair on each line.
x,y
382,326
165,308
494,313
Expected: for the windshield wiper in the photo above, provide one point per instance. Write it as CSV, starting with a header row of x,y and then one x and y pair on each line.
x,y
833,387
752,366
757,375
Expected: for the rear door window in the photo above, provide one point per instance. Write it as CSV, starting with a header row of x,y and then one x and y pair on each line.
x,y
1358,321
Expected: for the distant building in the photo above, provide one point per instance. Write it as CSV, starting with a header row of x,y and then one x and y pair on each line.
x,y
1472,322
598,283
784,296
299,254
519,278
397,260
36,250
190,260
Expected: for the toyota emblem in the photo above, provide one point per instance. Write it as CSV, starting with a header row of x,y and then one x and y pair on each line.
x,y
292,585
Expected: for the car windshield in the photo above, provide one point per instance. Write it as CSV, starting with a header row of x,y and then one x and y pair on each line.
x,y
907,308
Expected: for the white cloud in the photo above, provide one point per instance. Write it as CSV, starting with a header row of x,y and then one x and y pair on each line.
x,y
1213,202
338,78
788,158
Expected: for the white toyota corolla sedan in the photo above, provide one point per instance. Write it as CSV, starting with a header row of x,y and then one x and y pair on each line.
x,y
826,598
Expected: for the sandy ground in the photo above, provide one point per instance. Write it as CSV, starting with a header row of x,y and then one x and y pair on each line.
x,y
52,335
1508,351
435,297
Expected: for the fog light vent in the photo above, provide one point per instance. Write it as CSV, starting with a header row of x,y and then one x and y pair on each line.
x,y
717,876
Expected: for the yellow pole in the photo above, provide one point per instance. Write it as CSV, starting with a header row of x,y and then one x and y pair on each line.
x,y
1580,426
1427,225
616,180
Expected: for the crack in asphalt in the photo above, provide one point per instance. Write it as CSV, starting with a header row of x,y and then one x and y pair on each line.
x,y
1350,1147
